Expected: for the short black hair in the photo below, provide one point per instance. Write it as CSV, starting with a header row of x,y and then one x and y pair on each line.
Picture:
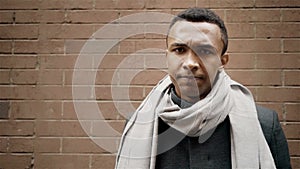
x,y
203,15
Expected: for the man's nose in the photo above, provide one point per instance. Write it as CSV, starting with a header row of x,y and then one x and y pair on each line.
x,y
191,62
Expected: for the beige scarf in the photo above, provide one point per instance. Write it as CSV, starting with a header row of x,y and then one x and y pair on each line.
x,y
249,149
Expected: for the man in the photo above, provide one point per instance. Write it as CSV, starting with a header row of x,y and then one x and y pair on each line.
x,y
197,117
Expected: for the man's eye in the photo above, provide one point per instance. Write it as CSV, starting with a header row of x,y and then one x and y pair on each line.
x,y
179,50
204,52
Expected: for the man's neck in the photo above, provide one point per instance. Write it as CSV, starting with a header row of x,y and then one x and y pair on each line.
x,y
177,100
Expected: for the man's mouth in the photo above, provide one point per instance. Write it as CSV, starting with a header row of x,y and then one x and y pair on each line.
x,y
191,77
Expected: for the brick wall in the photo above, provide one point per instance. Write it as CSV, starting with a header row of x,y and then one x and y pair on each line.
x,y
40,42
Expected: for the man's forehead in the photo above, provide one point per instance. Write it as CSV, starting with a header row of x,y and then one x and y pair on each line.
x,y
196,32
192,27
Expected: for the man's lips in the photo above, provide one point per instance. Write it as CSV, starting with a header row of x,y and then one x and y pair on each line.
x,y
190,77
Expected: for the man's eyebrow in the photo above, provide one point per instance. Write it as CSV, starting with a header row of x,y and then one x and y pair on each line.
x,y
205,46
179,44
198,46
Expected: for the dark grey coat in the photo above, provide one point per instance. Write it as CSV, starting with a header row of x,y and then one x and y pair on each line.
x,y
215,152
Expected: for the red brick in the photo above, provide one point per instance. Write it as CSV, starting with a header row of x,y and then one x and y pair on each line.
x,y
91,16
117,110
84,110
24,77
127,76
62,161
51,46
120,93
156,61
66,31
13,128
144,77
278,94
5,109
133,25
86,77
60,129
294,148
109,110
50,77
19,161
47,145
91,47
19,61
277,61
126,109
85,61
41,47
82,77
292,77
43,16
3,145
254,46
111,61
16,4
19,31
156,30
5,46
130,61
292,131
249,15
7,92
254,77
4,77
26,47
109,4
161,16
295,162
57,61
290,15
239,61
103,161
107,77
26,17
108,129
240,30
6,17
277,3
226,3
36,109
53,93
36,92
148,89
20,145
291,45
169,4
130,46
132,30
220,12
80,145
292,111
69,112
277,30
66,4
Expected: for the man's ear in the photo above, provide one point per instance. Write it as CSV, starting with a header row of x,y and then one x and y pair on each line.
x,y
225,59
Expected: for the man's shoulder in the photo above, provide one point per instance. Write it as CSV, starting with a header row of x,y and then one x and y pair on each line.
x,y
268,119
265,115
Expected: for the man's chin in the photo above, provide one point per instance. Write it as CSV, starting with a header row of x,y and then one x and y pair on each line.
x,y
193,93
190,94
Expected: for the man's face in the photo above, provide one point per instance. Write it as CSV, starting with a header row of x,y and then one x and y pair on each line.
x,y
194,56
